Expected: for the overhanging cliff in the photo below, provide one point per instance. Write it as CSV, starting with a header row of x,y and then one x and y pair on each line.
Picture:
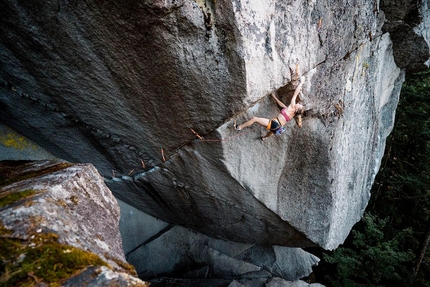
x,y
124,85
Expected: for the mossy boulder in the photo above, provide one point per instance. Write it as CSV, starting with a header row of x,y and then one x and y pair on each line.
x,y
59,226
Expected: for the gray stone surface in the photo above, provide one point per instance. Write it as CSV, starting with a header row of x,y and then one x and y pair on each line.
x,y
14,146
121,85
72,202
423,28
100,276
137,227
156,248
278,282
408,23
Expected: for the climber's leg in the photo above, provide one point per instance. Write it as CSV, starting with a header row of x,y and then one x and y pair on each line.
x,y
267,135
261,121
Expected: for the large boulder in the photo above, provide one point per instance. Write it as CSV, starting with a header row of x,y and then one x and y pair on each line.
x,y
130,86
59,223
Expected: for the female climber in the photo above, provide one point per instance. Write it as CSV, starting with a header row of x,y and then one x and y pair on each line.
x,y
275,126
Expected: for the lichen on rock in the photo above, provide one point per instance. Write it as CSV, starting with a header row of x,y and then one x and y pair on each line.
x,y
46,236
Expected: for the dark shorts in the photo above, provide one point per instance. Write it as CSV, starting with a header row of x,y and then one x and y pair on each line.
x,y
273,125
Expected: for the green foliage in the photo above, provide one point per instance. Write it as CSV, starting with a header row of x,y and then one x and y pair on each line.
x,y
13,197
14,171
373,257
41,259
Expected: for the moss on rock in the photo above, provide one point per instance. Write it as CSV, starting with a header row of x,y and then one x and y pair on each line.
x,y
40,259
10,198
14,171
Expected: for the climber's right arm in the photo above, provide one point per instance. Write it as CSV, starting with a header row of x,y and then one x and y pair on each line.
x,y
281,104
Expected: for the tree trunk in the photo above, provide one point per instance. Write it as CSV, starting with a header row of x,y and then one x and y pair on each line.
x,y
422,251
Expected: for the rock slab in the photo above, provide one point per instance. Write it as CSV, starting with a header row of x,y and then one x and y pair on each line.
x,y
66,204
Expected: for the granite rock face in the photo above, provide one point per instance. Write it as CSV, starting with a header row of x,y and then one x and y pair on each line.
x,y
69,205
408,22
159,249
103,276
134,88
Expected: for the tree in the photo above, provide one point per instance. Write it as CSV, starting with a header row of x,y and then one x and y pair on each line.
x,y
372,257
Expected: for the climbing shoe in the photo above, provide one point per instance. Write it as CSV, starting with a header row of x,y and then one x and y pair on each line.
x,y
236,127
